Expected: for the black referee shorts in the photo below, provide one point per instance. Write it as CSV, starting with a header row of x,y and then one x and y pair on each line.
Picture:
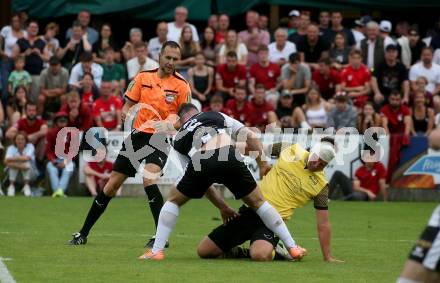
x,y
140,146
247,226
223,166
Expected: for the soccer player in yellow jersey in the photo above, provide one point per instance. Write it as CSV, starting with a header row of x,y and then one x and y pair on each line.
x,y
296,178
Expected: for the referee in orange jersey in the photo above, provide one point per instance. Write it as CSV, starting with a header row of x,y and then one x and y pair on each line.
x,y
155,97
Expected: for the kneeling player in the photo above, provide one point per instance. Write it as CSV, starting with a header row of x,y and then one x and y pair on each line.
x,y
296,178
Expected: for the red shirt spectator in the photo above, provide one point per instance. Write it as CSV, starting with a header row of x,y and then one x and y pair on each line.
x,y
267,76
259,114
369,177
231,77
355,79
327,79
395,118
105,167
105,112
79,114
24,125
239,111
60,121
216,104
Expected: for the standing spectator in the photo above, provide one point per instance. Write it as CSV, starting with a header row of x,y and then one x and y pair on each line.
x,y
355,79
155,44
232,44
107,108
324,23
280,50
53,87
396,120
223,27
33,49
402,29
230,75
175,28
422,116
263,22
339,51
78,114
33,126
10,34
200,79
75,45
415,44
428,69
336,19
113,72
263,112
238,106
105,41
368,118
326,78
264,72
129,50
213,22
253,37
216,104
86,65
189,48
385,28
60,170
373,48
294,22
284,110
20,158
343,115
312,47
97,173
16,105
88,91
141,62
359,29
296,78
208,46
84,21
301,31
49,38
19,76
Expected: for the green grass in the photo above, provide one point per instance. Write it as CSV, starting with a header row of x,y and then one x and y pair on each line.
x,y
373,238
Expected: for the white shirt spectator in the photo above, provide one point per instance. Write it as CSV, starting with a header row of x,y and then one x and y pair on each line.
x,y
387,41
154,46
275,54
241,51
436,58
432,74
174,32
9,39
358,36
29,150
133,66
77,73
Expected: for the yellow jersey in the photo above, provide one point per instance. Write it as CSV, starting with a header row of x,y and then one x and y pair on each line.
x,y
289,184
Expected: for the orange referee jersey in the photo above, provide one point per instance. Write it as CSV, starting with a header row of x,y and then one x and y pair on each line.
x,y
160,97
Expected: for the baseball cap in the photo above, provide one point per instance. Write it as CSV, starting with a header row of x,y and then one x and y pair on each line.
x,y
385,26
363,21
294,13
59,115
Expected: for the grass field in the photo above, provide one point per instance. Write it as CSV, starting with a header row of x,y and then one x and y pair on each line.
x,y
373,238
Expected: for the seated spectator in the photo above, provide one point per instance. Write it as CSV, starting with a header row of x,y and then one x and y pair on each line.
x,y
421,83
49,38
239,106
263,112
200,79
155,44
90,33
339,51
229,75
253,37
60,170
216,104
315,109
265,72
188,49
78,114
232,44
88,91
326,78
113,72
422,116
280,50
396,120
16,105
19,76
312,47
141,62
20,158
368,118
208,46
343,115
391,74
415,44
74,46
369,181
128,50
296,78
107,109
33,126
223,27
85,66
105,41
53,88
373,47
97,173
284,110
428,69
2,122
355,79
175,28
303,22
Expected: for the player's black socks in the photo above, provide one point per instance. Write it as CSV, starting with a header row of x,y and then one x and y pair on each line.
x,y
155,200
98,206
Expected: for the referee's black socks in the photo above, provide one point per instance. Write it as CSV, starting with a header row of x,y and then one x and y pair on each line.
x,y
98,206
155,200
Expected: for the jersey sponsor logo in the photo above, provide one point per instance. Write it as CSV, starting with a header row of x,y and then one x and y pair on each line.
x,y
170,96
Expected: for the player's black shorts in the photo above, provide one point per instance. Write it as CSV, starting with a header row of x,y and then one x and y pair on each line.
x,y
247,226
427,249
140,146
223,166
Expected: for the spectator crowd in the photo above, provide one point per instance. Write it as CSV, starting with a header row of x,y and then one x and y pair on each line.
x,y
304,74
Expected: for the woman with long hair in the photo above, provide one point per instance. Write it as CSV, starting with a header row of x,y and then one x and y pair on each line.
x,y
339,51
422,116
16,105
189,49
208,46
105,40
200,78
368,118
232,44
313,112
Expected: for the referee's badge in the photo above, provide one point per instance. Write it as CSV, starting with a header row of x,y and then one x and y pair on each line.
x,y
170,97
